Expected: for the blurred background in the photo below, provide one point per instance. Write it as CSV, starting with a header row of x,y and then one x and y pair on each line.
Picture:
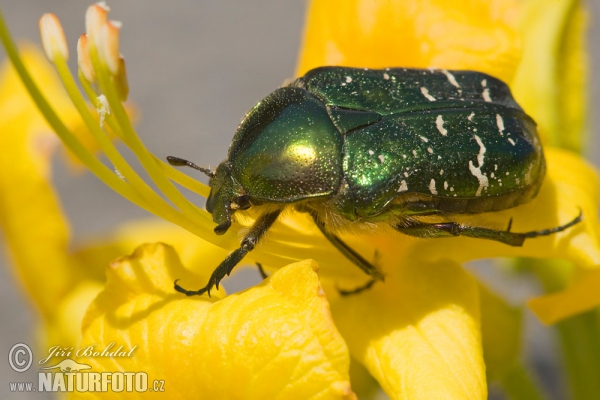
x,y
195,68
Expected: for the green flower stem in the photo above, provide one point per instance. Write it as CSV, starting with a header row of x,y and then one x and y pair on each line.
x,y
579,335
87,158
518,385
76,147
580,341
158,205
172,173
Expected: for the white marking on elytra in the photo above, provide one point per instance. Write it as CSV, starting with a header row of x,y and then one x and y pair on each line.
x,y
441,172
414,153
486,95
430,150
439,122
439,157
403,186
445,185
482,150
381,158
452,189
425,93
476,171
508,173
348,79
371,152
484,83
406,174
495,167
423,138
386,76
511,141
450,77
500,123
403,155
470,117
432,187
492,175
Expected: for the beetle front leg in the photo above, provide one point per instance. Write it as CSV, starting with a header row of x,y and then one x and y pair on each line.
x,y
260,227
413,227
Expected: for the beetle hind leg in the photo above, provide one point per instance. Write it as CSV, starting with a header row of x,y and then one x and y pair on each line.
x,y
260,227
414,227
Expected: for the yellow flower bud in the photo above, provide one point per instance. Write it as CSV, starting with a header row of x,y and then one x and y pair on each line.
x,y
53,37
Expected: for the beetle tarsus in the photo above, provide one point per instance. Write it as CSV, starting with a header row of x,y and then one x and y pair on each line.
x,y
189,292
357,290
261,271
551,231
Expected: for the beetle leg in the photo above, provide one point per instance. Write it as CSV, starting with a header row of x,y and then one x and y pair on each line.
x,y
261,271
260,227
357,290
347,251
419,229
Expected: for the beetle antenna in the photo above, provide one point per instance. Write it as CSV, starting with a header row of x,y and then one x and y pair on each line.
x,y
180,162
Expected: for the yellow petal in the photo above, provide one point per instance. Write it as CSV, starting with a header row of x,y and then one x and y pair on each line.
x,y
97,253
583,295
551,80
276,340
478,35
419,332
33,224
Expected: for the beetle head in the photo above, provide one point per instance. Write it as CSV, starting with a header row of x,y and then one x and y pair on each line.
x,y
226,196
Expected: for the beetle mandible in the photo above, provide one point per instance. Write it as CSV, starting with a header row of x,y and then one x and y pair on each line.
x,y
362,146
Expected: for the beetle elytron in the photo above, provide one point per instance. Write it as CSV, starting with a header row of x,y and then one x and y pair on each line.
x,y
358,146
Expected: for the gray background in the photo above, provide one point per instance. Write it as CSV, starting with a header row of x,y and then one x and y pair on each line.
x,y
195,68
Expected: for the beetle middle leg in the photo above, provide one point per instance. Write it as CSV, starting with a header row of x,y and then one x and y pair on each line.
x,y
260,227
348,251
414,227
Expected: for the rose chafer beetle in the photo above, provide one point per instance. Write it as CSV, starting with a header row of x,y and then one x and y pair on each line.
x,y
360,147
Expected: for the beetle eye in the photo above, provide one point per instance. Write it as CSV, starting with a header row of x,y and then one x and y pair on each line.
x,y
243,202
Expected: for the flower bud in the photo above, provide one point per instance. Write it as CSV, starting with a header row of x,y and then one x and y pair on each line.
x,y
83,59
108,46
53,37
95,18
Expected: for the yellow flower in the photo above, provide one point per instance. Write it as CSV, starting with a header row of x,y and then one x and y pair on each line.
x,y
419,333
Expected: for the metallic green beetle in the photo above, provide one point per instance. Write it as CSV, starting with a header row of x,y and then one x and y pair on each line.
x,y
357,147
